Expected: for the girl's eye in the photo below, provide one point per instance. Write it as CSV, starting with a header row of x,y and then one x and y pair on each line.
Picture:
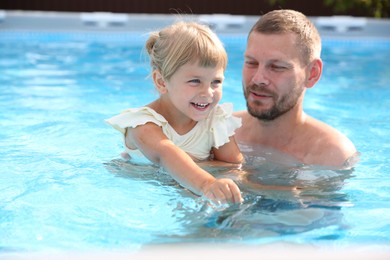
x,y
217,82
194,81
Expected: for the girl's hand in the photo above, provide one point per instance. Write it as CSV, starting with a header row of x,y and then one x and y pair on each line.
x,y
222,191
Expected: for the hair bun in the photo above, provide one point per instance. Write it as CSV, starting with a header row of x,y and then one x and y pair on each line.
x,y
151,41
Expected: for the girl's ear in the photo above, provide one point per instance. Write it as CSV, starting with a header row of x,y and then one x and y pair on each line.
x,y
159,82
314,73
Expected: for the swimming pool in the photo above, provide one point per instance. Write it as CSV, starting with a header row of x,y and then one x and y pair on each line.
x,y
64,187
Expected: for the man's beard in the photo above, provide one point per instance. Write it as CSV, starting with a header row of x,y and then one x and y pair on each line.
x,y
285,104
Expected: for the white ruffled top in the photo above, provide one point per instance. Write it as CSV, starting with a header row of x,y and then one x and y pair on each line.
x,y
214,131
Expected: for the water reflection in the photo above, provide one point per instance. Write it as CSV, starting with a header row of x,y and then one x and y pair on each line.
x,y
281,198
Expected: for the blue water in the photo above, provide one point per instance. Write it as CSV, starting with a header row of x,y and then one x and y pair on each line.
x,y
64,187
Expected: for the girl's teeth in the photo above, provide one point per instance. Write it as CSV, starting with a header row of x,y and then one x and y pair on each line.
x,y
200,105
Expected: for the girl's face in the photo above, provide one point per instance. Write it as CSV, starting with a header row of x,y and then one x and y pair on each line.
x,y
194,90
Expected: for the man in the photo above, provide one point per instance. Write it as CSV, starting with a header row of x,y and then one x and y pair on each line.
x,y
282,60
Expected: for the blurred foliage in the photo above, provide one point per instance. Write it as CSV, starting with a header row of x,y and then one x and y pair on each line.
x,y
368,8
371,8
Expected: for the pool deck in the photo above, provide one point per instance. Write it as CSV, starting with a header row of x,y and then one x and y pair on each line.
x,y
279,251
332,26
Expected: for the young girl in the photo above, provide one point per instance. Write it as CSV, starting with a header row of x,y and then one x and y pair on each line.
x,y
186,123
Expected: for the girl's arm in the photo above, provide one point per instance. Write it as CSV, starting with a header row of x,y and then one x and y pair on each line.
x,y
228,152
153,143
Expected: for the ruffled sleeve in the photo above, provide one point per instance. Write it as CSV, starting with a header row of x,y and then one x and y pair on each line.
x,y
224,124
134,117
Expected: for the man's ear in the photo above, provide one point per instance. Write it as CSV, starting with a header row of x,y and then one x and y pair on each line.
x,y
159,82
314,73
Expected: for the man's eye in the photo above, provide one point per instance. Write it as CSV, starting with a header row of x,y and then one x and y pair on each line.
x,y
250,63
278,68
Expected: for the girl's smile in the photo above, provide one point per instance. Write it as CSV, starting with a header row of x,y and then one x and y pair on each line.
x,y
193,91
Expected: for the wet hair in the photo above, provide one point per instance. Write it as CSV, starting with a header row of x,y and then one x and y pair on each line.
x,y
290,21
184,42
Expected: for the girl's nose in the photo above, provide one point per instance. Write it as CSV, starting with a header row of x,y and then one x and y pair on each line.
x,y
207,91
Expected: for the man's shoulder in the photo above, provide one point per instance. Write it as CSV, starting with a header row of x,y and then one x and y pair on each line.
x,y
247,119
241,113
327,132
329,144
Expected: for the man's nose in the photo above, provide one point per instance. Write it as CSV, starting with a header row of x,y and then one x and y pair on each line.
x,y
260,77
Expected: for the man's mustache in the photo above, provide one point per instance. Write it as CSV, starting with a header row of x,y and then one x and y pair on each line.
x,y
260,90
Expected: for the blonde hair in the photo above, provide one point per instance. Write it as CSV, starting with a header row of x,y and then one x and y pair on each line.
x,y
184,42
290,21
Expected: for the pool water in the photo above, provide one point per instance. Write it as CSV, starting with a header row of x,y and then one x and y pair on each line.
x,y
64,186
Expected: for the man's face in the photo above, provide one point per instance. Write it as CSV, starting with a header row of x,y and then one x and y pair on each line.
x,y
273,75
